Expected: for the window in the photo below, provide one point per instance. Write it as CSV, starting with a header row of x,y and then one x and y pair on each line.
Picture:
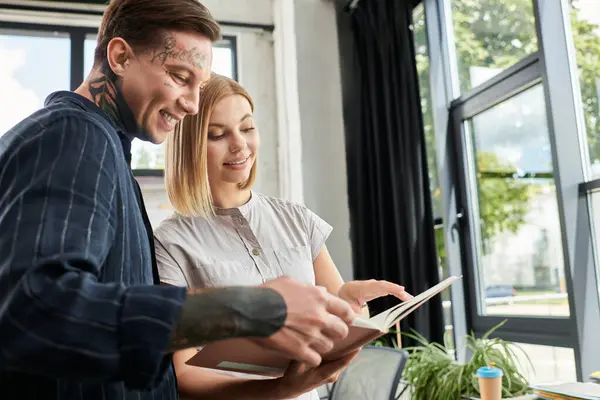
x,y
148,158
594,199
89,47
511,237
223,58
585,29
422,60
490,36
521,268
524,117
24,87
546,364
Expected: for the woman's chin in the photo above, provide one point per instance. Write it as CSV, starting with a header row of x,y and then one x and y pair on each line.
x,y
237,180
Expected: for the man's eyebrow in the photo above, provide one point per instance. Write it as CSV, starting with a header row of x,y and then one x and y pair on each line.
x,y
180,68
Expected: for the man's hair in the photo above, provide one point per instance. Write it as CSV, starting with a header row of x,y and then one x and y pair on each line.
x,y
142,23
186,173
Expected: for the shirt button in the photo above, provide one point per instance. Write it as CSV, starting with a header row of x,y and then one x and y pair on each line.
x,y
256,251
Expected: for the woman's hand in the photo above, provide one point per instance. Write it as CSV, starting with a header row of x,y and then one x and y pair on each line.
x,y
300,378
199,383
358,293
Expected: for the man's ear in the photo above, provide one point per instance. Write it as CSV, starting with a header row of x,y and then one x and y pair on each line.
x,y
118,54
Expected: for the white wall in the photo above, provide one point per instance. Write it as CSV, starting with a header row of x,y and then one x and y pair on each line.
x,y
322,125
248,11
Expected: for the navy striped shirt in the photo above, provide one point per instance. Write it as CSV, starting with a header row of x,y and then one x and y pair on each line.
x,y
80,316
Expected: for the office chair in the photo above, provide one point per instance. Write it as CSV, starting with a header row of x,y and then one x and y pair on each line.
x,y
373,375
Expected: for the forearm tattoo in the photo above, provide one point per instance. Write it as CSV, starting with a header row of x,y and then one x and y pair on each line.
x,y
216,314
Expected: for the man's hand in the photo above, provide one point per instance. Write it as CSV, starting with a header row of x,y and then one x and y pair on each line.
x,y
315,319
301,378
297,319
357,293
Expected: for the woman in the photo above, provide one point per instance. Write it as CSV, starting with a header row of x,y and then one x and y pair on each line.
x,y
223,233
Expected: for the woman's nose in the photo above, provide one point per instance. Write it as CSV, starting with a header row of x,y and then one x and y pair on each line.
x,y
237,142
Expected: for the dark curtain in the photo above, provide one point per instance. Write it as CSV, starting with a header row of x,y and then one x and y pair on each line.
x,y
388,184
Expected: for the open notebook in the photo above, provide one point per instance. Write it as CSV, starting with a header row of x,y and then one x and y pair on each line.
x,y
243,355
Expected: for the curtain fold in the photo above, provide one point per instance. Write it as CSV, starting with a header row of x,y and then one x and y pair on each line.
x,y
388,184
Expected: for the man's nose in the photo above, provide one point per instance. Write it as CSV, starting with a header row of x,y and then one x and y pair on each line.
x,y
190,102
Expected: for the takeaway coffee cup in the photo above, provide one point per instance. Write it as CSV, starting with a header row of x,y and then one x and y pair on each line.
x,y
490,382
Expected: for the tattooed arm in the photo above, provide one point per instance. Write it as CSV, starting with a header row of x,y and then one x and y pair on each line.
x,y
298,319
212,314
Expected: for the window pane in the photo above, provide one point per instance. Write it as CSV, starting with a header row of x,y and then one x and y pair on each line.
x,y
27,76
519,247
595,201
89,46
546,364
585,25
223,60
145,155
422,60
490,36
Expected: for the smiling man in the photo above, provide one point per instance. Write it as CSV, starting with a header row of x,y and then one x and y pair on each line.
x,y
82,314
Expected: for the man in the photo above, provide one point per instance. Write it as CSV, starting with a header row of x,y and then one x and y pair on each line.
x,y
81,313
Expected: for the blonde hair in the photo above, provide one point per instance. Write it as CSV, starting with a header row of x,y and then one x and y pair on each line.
x,y
186,174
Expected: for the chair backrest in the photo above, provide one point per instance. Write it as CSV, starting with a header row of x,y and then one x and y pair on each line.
x,y
373,375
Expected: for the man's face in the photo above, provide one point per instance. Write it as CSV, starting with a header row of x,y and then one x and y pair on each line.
x,y
162,85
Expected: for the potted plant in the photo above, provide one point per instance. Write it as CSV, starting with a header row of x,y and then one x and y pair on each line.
x,y
431,372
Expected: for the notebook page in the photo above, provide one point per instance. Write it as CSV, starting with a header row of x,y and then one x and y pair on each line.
x,y
362,322
412,305
380,319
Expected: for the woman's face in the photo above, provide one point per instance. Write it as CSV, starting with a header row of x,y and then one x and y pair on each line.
x,y
232,141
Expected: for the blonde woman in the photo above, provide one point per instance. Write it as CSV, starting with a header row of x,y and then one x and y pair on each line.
x,y
223,233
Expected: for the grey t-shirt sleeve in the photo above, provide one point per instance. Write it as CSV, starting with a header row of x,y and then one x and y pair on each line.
x,y
317,229
169,270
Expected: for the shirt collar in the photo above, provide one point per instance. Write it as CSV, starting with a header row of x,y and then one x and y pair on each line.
x,y
83,102
243,210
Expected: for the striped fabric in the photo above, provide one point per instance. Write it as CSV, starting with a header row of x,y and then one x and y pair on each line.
x,y
80,316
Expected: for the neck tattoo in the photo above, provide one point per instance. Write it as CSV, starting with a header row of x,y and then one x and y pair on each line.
x,y
106,92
